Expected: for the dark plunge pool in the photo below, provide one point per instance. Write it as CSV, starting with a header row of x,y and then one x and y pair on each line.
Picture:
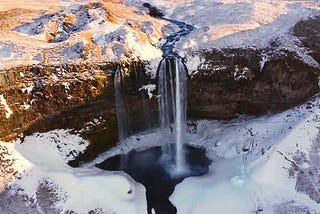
x,y
149,168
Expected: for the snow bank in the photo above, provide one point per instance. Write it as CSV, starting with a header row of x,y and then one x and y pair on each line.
x,y
42,159
251,162
252,157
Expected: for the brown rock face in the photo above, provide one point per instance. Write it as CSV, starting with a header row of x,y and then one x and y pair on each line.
x,y
33,93
233,82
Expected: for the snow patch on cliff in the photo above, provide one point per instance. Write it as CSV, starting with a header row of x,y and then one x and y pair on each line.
x,y
149,88
4,103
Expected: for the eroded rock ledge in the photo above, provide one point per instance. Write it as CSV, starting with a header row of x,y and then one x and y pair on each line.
x,y
228,83
32,93
237,81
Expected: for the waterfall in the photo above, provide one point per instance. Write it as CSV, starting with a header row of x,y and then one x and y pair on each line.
x,y
172,74
172,108
120,108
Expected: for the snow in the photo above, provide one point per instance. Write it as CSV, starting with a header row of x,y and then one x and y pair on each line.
x,y
120,30
264,182
69,32
4,103
264,59
66,86
227,23
26,106
43,157
149,88
27,88
250,169
238,24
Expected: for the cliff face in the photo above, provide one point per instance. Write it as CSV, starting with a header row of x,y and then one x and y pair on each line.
x,y
32,93
59,62
228,82
233,82
62,55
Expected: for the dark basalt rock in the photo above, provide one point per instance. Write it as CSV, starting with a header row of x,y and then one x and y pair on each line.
x,y
232,82
308,31
153,11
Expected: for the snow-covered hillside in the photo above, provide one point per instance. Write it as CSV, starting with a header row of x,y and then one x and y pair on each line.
x,y
60,31
71,31
229,23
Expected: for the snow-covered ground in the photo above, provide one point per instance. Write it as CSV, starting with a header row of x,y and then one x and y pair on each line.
x,y
238,24
60,31
253,160
255,163
71,31
41,162
255,167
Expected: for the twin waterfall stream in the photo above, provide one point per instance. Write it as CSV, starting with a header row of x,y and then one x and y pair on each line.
x,y
172,106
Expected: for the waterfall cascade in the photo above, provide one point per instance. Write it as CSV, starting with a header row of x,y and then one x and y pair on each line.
x,y
119,101
172,109
158,169
172,74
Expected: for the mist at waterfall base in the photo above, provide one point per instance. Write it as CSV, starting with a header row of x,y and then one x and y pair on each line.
x,y
160,168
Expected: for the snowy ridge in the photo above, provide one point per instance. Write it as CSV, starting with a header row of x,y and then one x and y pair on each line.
x,y
239,24
76,31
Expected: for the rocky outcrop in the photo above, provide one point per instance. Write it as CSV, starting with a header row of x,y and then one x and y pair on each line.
x,y
229,82
235,81
32,93
308,31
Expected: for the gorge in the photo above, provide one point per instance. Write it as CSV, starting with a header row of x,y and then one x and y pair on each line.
x,y
111,96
